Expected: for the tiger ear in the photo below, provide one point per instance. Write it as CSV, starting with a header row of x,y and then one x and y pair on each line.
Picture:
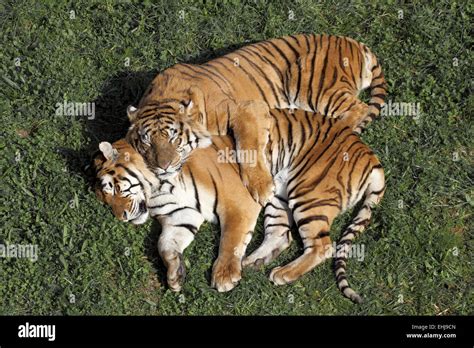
x,y
108,151
132,113
92,171
95,164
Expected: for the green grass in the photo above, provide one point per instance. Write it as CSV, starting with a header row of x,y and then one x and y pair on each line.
x,y
418,247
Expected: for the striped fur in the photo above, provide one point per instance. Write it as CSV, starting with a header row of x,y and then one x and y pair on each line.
x,y
175,138
322,73
321,168
202,191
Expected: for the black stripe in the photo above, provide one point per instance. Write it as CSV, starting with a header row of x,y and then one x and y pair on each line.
x,y
161,205
311,78
377,105
364,223
132,173
277,225
191,228
316,205
322,234
362,61
282,54
298,82
177,210
309,219
345,242
216,193
381,96
322,76
266,215
274,206
380,85
280,198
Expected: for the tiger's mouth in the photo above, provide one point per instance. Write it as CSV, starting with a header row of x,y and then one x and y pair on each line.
x,y
168,172
142,207
142,215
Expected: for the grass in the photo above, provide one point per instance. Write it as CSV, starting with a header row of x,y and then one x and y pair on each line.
x,y
418,248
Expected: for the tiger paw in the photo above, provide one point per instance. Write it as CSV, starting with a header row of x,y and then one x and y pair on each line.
x,y
259,183
254,262
282,275
270,249
176,272
260,258
226,274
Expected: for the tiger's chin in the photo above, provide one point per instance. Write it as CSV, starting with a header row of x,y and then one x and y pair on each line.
x,y
140,219
164,175
170,172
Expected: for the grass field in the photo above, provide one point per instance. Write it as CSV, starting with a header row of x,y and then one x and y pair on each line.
x,y
418,249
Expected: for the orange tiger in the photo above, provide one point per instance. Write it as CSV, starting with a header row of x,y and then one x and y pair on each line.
x,y
202,191
321,73
320,168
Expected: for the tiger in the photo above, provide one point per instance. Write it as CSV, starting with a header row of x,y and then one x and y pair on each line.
x,y
320,168
203,190
317,73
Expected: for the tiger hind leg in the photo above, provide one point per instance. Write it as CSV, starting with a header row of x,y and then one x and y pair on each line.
x,y
277,224
314,231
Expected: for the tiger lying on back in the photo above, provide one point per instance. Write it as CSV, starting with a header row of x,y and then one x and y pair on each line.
x,y
320,168
322,73
181,204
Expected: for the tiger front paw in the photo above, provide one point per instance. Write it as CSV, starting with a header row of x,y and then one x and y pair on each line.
x,y
176,272
282,275
259,183
226,274
273,245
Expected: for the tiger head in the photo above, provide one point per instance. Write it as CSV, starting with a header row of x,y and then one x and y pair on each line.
x,y
165,132
123,181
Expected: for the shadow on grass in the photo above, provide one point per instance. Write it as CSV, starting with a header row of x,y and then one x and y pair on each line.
x,y
110,122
